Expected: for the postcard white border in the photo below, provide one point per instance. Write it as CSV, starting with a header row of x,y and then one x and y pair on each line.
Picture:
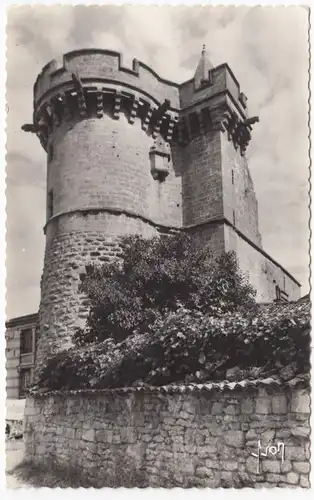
x,y
120,493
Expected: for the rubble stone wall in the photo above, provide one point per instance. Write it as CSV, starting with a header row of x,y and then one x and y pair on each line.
x,y
185,438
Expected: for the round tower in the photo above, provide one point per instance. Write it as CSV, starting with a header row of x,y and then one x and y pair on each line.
x,y
107,131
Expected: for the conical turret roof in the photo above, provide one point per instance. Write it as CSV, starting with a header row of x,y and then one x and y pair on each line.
x,y
203,67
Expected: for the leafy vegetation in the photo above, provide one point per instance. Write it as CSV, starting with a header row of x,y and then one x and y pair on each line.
x,y
167,313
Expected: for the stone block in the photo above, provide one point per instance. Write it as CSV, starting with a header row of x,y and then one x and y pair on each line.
x,y
271,466
175,439
206,451
191,449
159,439
283,433
292,478
187,406
178,448
229,452
303,467
247,406
251,465
286,466
104,436
212,463
227,479
234,438
279,404
231,410
229,466
169,421
69,433
185,415
203,472
189,436
232,420
212,441
295,453
300,431
251,434
200,440
263,405
182,423
252,443
215,429
267,437
128,435
217,408
304,481
146,438
302,417
88,435
274,478
300,402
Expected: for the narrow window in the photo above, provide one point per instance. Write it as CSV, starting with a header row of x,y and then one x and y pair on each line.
x,y
26,341
232,175
194,124
206,118
50,205
25,380
234,218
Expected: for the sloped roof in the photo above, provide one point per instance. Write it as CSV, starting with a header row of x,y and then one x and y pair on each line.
x,y
203,67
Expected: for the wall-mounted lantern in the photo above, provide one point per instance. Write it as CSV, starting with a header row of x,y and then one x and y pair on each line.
x,y
159,163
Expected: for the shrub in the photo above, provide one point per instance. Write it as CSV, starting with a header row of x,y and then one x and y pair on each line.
x,y
191,346
151,279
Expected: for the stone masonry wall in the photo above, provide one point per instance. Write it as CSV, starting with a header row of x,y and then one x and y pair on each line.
x,y
202,179
262,271
105,163
201,436
72,242
239,199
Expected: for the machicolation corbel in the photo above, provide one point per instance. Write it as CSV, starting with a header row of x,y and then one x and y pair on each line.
x,y
158,116
238,131
242,134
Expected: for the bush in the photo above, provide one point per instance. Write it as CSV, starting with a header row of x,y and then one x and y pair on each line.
x,y
191,346
153,277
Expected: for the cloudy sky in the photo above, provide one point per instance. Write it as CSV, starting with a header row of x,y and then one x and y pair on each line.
x,y
266,49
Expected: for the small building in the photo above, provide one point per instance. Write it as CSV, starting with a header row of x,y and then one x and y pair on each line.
x,y
20,350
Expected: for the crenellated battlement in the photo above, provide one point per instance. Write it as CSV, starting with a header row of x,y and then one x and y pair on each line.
x,y
93,82
99,65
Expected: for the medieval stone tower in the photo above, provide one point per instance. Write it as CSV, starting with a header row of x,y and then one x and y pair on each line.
x,y
129,152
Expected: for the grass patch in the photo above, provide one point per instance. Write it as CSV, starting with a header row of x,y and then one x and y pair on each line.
x,y
50,474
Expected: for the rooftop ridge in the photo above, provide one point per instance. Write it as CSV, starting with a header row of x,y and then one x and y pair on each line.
x,y
183,388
